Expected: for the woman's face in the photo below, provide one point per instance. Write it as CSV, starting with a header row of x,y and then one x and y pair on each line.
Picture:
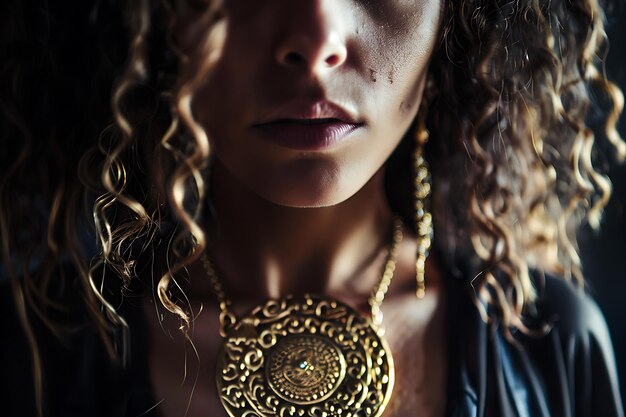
x,y
310,97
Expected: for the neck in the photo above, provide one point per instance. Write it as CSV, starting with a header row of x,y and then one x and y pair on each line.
x,y
261,249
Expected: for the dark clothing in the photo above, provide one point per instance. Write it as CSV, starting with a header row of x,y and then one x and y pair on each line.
x,y
568,372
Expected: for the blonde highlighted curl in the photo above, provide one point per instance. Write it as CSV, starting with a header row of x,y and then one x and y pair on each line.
x,y
508,96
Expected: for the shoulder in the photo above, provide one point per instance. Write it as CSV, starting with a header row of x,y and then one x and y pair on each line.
x,y
576,353
568,370
571,311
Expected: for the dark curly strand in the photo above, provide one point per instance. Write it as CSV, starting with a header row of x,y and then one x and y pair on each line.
x,y
508,94
512,85
507,99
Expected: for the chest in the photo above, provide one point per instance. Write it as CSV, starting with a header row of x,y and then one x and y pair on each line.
x,y
183,374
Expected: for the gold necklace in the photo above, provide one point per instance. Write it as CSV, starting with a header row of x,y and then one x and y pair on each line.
x,y
307,356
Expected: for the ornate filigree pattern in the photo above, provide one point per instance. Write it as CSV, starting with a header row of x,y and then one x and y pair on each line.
x,y
311,356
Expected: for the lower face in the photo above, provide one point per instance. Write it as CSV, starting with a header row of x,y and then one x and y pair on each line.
x,y
283,61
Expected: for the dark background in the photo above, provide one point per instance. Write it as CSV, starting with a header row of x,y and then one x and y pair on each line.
x,y
604,253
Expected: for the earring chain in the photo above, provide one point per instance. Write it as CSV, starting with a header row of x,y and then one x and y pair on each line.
x,y
423,217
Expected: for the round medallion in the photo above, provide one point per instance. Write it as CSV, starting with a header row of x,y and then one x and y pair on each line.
x,y
309,356
305,369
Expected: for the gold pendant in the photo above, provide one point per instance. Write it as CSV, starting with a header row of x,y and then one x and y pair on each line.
x,y
308,357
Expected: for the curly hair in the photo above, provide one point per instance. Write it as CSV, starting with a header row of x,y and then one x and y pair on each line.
x,y
507,102
513,87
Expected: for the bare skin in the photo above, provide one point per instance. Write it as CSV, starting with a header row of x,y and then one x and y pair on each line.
x,y
276,264
414,330
291,221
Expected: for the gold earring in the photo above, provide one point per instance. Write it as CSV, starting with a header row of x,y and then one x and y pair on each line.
x,y
423,217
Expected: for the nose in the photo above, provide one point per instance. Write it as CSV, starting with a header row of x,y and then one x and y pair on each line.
x,y
314,37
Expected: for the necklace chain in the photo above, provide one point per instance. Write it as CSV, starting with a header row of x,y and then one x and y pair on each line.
x,y
228,319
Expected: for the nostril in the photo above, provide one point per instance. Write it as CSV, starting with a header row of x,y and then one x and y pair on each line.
x,y
332,60
293,58
328,55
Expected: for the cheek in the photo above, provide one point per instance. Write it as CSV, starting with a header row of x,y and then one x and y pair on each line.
x,y
230,84
397,43
243,73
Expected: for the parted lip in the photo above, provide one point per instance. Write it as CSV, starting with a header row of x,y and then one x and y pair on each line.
x,y
306,111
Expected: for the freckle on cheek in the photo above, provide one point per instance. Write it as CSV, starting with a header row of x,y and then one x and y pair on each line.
x,y
404,106
373,75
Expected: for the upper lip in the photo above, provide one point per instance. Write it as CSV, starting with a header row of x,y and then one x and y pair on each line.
x,y
302,109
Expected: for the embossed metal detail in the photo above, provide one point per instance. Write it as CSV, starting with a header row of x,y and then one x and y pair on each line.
x,y
305,369
310,356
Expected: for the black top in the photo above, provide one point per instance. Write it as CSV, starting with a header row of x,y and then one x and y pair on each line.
x,y
568,372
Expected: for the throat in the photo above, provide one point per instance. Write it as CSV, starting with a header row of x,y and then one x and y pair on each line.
x,y
263,250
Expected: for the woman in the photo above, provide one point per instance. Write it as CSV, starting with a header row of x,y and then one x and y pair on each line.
x,y
264,197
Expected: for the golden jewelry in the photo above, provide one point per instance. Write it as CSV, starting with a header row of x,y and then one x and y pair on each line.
x,y
423,218
305,356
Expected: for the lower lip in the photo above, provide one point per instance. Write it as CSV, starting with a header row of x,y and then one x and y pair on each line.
x,y
307,137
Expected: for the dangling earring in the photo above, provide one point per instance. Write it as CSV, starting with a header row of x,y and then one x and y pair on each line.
x,y
423,217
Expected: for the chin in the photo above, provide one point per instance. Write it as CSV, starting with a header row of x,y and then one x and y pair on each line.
x,y
308,184
308,200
